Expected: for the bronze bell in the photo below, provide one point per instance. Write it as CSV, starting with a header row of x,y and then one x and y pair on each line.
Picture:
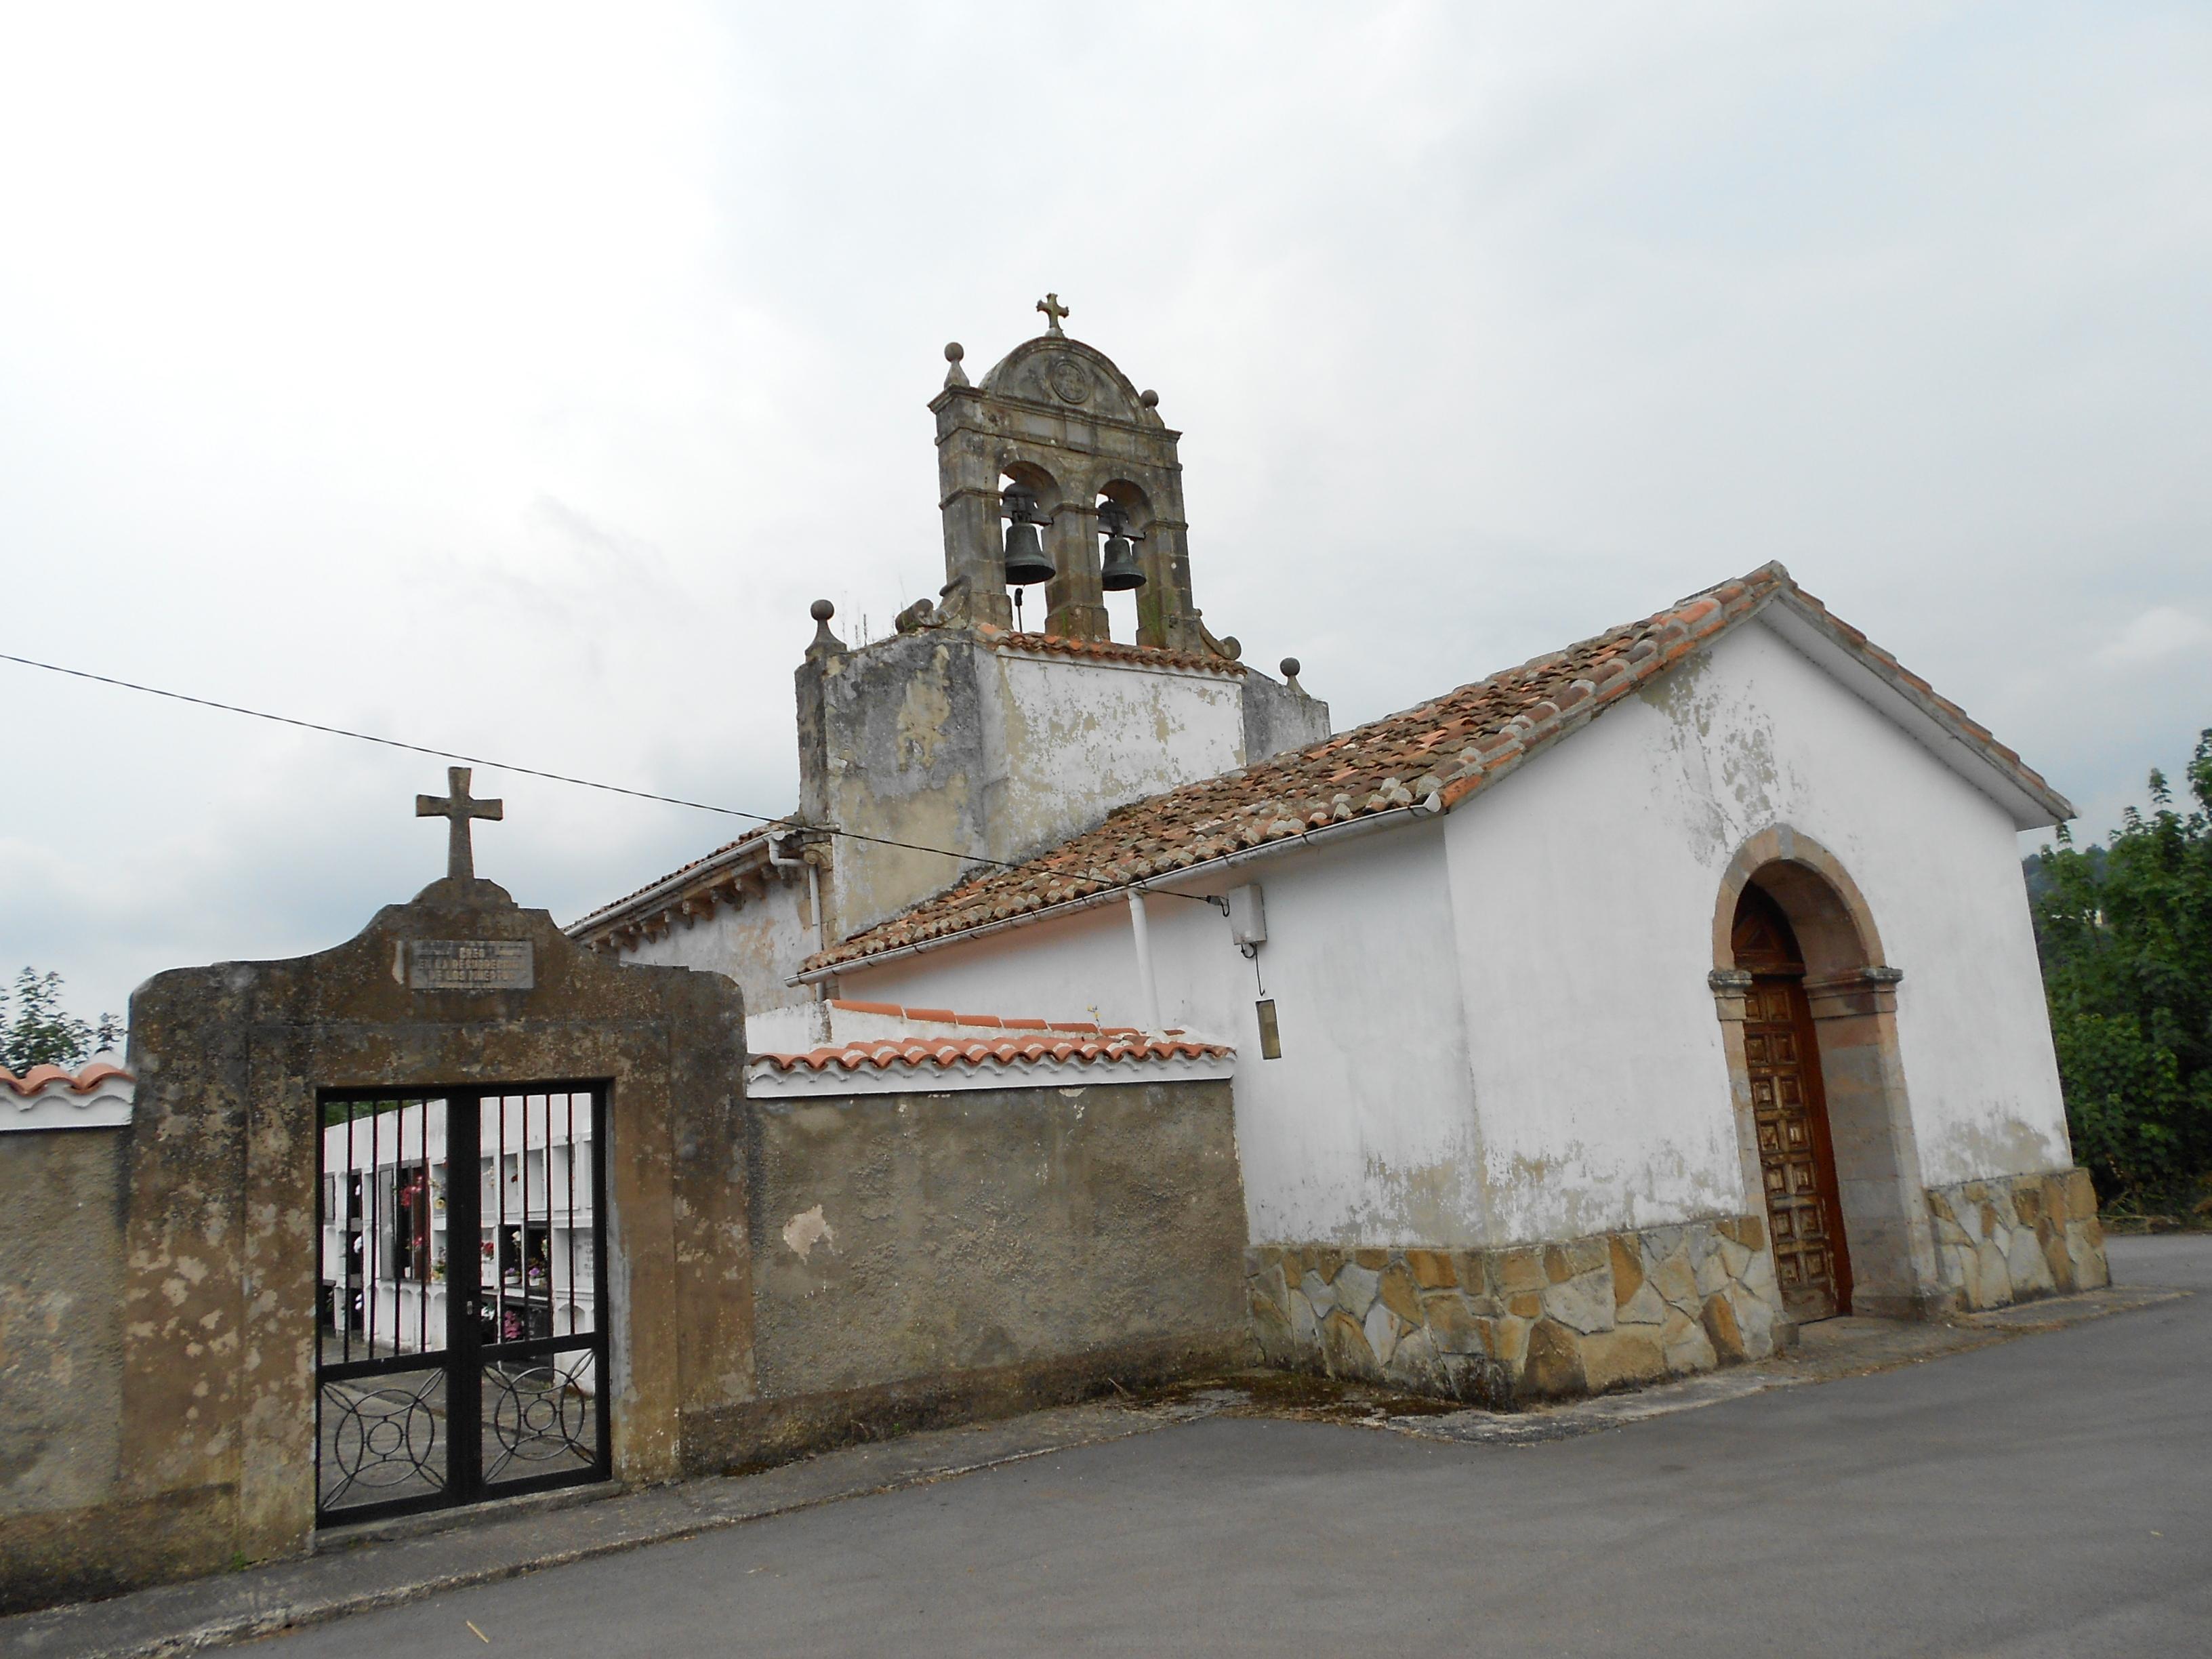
x,y
1025,557
1118,572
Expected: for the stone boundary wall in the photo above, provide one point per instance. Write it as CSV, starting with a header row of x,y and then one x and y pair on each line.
x,y
63,1268
925,1253
1504,1327
2012,1238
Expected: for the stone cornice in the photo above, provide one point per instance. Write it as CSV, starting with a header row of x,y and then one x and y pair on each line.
x,y
1869,990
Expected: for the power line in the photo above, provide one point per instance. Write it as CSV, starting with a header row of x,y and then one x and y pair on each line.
x,y
563,777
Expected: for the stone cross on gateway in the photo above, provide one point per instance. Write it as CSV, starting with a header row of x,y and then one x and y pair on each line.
x,y
1054,311
456,808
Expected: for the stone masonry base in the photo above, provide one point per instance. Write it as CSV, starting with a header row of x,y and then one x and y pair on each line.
x,y
1504,1327
2014,1238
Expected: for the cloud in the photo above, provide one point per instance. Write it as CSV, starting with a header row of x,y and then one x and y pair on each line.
x,y
510,380
2159,633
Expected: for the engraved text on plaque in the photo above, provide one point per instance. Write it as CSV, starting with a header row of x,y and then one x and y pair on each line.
x,y
470,964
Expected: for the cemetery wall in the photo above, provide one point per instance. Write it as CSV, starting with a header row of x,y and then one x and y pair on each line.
x,y
923,1254
61,1341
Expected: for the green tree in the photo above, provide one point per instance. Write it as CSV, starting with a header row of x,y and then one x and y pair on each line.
x,y
2126,941
38,1033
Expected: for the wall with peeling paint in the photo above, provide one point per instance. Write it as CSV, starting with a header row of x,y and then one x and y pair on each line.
x,y
1598,1061
943,738
759,943
1497,1027
890,744
1068,741
1280,716
1364,1132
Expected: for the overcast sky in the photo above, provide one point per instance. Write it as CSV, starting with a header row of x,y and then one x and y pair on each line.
x,y
508,381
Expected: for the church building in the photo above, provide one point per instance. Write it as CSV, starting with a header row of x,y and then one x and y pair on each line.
x,y
1598,1020
1100,1016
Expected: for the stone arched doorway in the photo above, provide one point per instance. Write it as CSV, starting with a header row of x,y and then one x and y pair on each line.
x,y
1807,1003
1789,1113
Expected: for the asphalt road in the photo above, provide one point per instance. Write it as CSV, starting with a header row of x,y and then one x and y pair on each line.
x,y
2051,1495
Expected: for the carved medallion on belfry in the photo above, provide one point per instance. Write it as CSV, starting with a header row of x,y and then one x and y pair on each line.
x,y
1070,380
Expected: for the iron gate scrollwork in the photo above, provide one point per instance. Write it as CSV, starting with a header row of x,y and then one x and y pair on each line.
x,y
462,1334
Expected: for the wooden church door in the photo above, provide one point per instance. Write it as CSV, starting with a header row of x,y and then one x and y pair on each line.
x,y
1796,1156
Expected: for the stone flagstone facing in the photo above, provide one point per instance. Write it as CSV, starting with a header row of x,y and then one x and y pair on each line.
x,y
1501,1327
2012,1238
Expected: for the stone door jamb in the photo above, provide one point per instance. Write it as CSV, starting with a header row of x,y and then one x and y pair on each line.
x,y
1852,992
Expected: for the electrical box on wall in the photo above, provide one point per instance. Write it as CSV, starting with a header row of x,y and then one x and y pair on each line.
x,y
1248,915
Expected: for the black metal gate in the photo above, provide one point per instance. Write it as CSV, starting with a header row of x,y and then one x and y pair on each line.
x,y
463,1349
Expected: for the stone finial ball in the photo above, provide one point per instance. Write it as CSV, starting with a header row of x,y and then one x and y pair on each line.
x,y
955,352
1289,666
822,610
1150,398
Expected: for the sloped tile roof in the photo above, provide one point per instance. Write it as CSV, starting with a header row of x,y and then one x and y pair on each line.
x,y
751,838
1443,751
982,1021
1003,1048
987,1040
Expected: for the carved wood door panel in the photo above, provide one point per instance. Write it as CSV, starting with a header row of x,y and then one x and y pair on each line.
x,y
1804,1215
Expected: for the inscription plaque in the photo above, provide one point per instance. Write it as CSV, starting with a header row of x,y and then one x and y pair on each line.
x,y
470,964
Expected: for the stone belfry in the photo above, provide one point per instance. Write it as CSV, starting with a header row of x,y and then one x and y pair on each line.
x,y
1058,419
959,740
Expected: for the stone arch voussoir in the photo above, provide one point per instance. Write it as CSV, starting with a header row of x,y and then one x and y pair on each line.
x,y
1775,853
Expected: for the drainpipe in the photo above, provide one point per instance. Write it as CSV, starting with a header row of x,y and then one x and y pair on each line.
x,y
814,901
1148,990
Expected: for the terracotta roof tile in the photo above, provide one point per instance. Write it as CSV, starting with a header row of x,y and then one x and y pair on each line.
x,y
983,1022
1107,651
755,837
80,1083
1449,748
883,1053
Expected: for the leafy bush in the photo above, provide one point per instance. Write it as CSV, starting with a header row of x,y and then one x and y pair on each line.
x,y
40,1034
2125,933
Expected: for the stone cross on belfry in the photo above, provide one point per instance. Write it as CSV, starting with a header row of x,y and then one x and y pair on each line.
x,y
1054,311
457,809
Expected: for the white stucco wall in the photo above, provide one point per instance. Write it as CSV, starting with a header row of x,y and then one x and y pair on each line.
x,y
1584,888
1070,740
760,944
1364,1131
1497,1026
